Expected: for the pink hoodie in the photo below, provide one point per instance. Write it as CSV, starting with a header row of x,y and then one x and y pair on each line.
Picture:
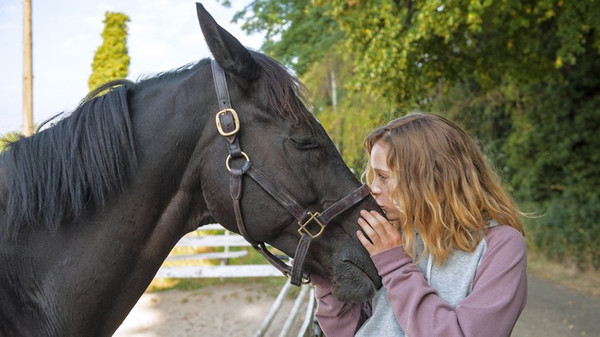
x,y
497,297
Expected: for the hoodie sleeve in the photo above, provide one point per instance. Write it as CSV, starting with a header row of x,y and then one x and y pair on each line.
x,y
336,318
493,307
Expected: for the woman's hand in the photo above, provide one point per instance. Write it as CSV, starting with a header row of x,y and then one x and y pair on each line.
x,y
380,234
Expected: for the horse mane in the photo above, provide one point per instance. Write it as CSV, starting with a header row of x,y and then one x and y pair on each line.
x,y
283,92
80,162
58,173
152,79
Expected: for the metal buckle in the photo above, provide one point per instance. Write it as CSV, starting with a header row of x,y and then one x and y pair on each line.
x,y
303,229
235,119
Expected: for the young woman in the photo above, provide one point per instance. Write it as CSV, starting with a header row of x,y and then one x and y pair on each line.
x,y
449,248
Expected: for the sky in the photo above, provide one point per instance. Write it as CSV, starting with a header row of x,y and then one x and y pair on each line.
x,y
162,35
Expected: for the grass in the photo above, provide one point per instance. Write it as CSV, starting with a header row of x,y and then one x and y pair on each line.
x,y
271,283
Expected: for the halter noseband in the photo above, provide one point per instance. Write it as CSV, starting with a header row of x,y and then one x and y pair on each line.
x,y
228,126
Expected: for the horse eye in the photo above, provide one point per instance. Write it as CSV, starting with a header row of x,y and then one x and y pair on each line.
x,y
304,144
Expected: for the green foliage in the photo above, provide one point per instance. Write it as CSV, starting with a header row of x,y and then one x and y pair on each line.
x,y
111,60
355,115
485,114
9,138
406,48
554,152
296,32
523,77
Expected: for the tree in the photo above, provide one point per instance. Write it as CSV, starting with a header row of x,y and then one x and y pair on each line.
x,y
521,76
554,155
8,138
410,48
297,33
111,60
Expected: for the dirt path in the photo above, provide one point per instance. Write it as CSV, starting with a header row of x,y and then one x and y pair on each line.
x,y
232,310
555,311
237,311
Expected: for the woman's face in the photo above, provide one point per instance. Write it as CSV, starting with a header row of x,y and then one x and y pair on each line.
x,y
383,185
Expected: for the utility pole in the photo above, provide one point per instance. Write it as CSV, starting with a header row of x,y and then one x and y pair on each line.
x,y
27,71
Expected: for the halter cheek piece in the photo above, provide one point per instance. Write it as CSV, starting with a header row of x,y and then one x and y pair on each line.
x,y
228,126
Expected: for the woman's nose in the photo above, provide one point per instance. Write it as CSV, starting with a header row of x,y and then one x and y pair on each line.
x,y
375,190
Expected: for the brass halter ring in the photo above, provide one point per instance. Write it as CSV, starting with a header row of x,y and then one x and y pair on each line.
x,y
229,159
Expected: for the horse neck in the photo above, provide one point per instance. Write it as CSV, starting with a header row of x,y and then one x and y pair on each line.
x,y
91,273
155,212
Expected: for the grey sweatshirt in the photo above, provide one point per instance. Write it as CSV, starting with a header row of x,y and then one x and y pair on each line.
x,y
473,294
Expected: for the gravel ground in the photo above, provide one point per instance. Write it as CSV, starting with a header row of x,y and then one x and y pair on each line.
x,y
237,311
555,311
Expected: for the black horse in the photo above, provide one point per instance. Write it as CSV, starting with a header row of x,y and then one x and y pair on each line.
x,y
91,207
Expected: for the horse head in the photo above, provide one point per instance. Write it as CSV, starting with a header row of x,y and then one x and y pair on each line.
x,y
286,143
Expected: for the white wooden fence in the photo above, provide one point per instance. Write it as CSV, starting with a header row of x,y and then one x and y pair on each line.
x,y
227,240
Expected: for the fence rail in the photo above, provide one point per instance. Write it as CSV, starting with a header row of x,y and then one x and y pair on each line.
x,y
229,240
226,240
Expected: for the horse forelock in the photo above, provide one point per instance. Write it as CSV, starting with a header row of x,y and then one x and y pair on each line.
x,y
283,91
57,174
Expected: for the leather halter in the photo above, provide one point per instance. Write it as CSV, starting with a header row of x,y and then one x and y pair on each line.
x,y
228,125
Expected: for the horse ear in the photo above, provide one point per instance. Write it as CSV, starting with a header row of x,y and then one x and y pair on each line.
x,y
227,50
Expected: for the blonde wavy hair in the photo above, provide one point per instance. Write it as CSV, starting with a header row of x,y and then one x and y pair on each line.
x,y
447,189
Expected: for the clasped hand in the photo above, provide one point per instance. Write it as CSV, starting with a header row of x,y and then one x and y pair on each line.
x,y
380,234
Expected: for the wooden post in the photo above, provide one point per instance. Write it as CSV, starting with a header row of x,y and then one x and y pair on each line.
x,y
27,71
